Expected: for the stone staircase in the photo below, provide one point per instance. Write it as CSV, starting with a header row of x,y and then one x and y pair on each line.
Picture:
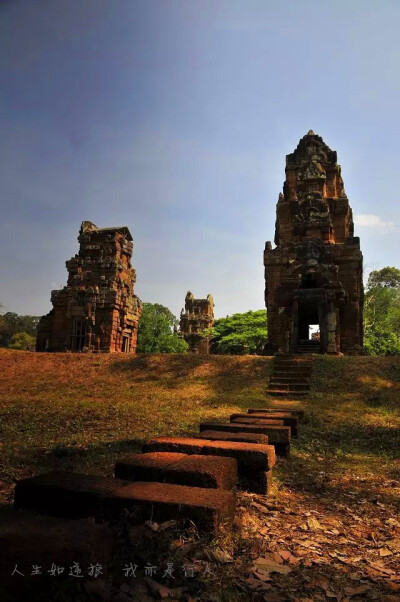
x,y
290,376
308,346
192,478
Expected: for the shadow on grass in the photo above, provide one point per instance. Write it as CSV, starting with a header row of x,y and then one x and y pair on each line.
x,y
322,481
97,457
221,372
318,436
376,379
362,449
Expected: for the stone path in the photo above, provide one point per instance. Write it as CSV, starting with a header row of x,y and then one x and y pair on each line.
x,y
290,376
194,478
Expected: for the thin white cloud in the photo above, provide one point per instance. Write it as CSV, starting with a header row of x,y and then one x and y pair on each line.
x,y
369,220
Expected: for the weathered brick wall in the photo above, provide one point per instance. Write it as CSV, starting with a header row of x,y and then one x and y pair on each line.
x,y
97,310
197,316
315,249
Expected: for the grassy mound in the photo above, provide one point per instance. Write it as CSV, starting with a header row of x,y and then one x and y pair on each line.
x,y
82,411
331,529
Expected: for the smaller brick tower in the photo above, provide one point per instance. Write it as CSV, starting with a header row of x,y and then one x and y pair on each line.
x,y
197,316
97,310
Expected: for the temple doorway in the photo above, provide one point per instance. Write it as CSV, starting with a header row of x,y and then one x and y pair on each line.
x,y
308,327
78,335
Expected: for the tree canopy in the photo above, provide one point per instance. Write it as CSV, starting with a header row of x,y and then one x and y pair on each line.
x,y
386,277
239,334
382,312
156,331
12,324
22,341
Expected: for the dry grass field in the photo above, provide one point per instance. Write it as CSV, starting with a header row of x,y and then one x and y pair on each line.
x,y
332,524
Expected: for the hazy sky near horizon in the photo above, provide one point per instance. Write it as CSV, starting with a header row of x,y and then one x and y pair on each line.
x,y
174,117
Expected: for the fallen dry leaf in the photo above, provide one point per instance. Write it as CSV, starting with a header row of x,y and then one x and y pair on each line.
x,y
262,576
357,591
380,568
218,556
313,524
269,565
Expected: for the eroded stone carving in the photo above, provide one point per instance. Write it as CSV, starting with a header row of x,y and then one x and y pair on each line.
x,y
97,310
314,275
196,317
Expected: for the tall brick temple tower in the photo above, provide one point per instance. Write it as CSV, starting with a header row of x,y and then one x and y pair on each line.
x,y
313,277
97,310
197,316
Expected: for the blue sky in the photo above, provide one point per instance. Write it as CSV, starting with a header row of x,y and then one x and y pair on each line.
x,y
174,118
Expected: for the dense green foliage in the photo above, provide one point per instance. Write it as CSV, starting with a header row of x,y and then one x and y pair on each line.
x,y
22,341
382,312
12,324
239,334
156,331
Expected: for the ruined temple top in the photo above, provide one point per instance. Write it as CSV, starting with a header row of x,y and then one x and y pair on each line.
x,y
314,203
88,227
191,300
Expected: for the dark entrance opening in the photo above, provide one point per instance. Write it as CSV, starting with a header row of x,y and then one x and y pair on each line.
x,y
78,335
308,323
308,281
126,344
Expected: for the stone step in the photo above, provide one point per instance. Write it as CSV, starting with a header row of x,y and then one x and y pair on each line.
x,y
182,469
292,368
252,480
280,367
289,387
30,538
238,437
206,507
275,433
280,393
289,380
278,436
305,364
65,494
291,375
282,409
255,460
265,420
292,357
258,455
286,419
68,494
307,349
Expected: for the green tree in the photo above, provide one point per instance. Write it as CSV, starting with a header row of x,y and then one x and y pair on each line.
x,y
239,334
382,312
386,277
156,331
12,323
22,341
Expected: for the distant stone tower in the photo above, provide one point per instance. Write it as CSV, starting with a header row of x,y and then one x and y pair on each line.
x,y
314,274
97,310
198,315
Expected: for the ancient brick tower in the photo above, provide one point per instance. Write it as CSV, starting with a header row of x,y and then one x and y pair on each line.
x,y
97,310
198,315
314,274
